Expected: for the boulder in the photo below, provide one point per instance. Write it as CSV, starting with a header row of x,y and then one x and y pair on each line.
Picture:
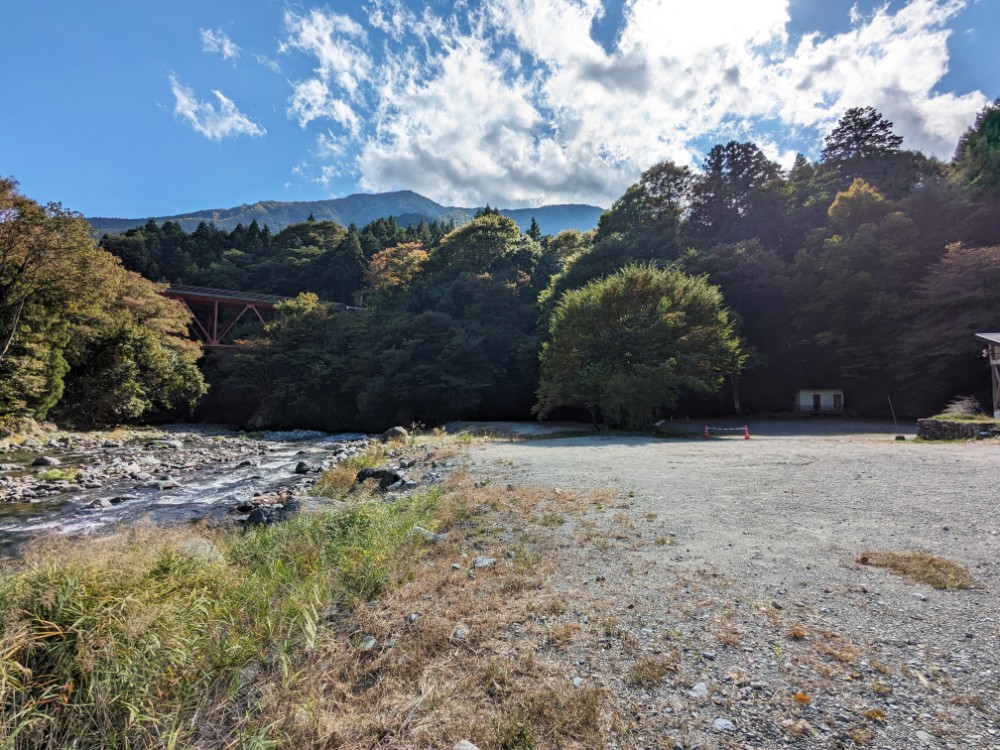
x,y
46,461
385,476
304,467
395,434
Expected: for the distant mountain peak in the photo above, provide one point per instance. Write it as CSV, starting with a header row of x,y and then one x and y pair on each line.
x,y
360,209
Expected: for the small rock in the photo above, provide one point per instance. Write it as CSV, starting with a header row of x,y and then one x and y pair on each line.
x,y
577,682
920,596
456,566
368,643
100,504
724,725
460,634
484,562
924,737
430,536
304,467
708,655
414,616
46,461
699,690
510,488
464,745
257,517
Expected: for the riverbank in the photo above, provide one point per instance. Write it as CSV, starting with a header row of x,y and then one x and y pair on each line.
x,y
75,483
390,618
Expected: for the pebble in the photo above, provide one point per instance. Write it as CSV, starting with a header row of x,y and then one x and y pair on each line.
x,y
460,634
724,725
698,690
484,562
464,745
368,643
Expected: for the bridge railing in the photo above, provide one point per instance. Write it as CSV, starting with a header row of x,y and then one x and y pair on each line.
x,y
209,294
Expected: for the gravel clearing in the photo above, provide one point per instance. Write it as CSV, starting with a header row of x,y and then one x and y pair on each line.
x,y
729,567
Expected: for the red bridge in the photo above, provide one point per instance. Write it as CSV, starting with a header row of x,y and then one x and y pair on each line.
x,y
215,312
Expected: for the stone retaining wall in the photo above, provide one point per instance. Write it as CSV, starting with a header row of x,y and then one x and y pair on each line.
x,y
939,429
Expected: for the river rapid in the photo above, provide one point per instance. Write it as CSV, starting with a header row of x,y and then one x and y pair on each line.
x,y
73,484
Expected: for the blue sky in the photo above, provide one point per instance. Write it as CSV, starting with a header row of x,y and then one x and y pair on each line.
x,y
132,109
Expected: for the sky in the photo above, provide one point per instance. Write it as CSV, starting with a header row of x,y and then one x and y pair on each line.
x,y
134,109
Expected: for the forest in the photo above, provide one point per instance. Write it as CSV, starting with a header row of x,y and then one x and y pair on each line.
x,y
714,290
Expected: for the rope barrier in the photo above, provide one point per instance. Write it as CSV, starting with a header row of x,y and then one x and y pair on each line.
x,y
744,429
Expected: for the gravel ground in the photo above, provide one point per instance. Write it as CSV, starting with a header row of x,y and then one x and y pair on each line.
x,y
720,603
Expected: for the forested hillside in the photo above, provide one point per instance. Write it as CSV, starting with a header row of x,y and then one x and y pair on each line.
x,y
82,338
406,206
710,290
868,270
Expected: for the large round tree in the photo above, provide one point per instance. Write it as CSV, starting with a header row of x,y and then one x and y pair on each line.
x,y
626,346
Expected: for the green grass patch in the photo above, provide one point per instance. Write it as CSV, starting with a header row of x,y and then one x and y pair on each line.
x,y
143,640
335,482
975,418
52,475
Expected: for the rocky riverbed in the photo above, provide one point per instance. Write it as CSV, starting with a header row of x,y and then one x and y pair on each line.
x,y
76,483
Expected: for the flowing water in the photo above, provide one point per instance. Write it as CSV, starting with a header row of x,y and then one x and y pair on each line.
x,y
209,492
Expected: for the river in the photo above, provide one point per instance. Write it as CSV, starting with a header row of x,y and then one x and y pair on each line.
x,y
171,475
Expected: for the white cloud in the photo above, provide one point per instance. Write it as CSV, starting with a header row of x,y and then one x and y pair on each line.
x,y
268,62
514,100
215,121
216,40
343,66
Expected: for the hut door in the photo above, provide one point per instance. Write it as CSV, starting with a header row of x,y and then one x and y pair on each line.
x,y
817,403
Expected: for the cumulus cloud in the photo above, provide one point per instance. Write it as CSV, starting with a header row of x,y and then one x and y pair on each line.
x,y
216,40
215,121
336,42
516,100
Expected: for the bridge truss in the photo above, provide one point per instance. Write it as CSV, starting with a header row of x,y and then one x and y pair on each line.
x,y
216,312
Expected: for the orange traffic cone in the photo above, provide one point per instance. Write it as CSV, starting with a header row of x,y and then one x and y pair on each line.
x,y
705,435
746,432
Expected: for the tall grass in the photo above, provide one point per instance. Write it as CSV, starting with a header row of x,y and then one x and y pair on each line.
x,y
153,638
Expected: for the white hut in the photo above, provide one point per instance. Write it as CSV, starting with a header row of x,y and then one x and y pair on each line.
x,y
819,401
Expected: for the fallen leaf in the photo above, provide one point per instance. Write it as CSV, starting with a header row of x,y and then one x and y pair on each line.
x,y
802,698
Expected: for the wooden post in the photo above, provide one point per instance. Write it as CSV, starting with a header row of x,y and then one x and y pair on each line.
x,y
994,350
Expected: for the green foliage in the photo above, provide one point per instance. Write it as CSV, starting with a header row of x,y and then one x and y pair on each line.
x,y
82,337
135,641
938,355
625,347
861,133
977,158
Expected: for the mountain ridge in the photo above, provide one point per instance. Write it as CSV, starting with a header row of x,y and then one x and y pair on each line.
x,y
407,206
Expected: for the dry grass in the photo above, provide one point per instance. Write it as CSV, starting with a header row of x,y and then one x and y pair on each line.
x,y
935,571
649,672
